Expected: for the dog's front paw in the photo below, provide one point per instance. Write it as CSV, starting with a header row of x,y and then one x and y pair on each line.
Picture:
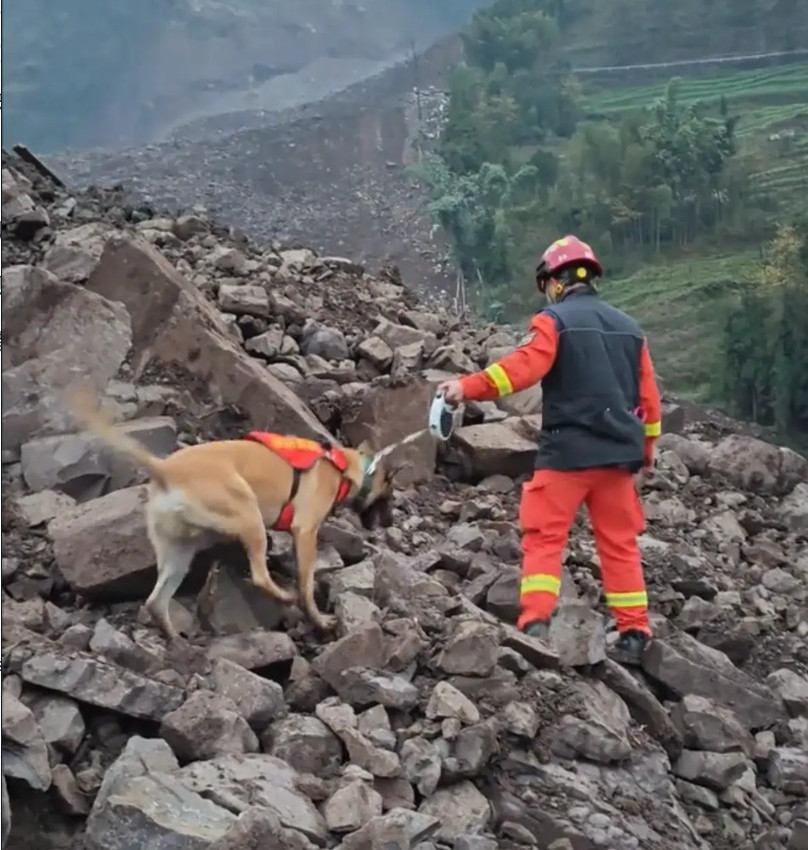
x,y
325,622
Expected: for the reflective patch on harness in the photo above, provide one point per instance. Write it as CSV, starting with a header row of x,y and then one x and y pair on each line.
x,y
301,454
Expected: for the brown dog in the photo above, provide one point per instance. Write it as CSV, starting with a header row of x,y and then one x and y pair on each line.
x,y
235,489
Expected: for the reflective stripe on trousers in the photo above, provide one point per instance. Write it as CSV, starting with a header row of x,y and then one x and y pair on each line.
x,y
550,501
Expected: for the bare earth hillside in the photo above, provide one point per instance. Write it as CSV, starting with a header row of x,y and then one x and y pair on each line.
x,y
334,173
98,73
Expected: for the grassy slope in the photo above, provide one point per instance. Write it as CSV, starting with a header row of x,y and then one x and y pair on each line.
x,y
681,303
681,306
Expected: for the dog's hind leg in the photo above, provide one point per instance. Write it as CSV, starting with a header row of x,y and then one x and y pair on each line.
x,y
174,559
306,554
252,533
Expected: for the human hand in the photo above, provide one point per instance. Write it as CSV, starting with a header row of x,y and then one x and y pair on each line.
x,y
649,463
452,392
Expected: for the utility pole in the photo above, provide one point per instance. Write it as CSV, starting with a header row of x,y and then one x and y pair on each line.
x,y
417,80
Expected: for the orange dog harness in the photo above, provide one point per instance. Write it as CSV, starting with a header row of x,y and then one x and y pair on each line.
x,y
301,455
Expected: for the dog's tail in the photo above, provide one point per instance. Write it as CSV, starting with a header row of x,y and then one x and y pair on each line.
x,y
85,407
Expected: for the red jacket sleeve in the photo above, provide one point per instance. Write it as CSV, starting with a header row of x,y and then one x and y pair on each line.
x,y
520,369
649,400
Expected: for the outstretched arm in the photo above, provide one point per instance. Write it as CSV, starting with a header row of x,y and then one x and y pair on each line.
x,y
650,403
520,369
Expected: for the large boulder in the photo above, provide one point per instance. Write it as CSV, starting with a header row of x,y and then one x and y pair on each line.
x,y
102,548
385,414
494,448
175,328
83,467
56,334
758,466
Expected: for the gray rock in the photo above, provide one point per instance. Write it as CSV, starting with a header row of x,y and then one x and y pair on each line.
x,y
352,806
206,726
257,780
38,508
362,648
83,467
259,829
87,335
421,764
788,770
361,686
447,701
328,343
578,634
140,756
706,726
688,667
60,722
155,812
102,547
254,650
102,684
398,828
305,742
459,809
713,770
792,689
257,700
365,754
244,300
25,752
471,648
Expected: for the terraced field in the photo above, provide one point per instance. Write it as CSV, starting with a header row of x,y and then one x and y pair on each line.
x,y
785,83
681,306
772,105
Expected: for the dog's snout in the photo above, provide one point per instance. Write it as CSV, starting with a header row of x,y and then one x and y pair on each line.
x,y
380,513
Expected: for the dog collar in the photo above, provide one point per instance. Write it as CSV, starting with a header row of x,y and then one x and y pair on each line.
x,y
367,477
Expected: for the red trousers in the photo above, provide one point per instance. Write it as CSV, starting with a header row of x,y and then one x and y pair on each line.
x,y
550,501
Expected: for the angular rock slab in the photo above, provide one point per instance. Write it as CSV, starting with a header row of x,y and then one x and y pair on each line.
x,y
385,415
102,548
173,324
102,684
495,449
257,780
83,467
688,667
56,334
758,466
156,812
460,808
25,752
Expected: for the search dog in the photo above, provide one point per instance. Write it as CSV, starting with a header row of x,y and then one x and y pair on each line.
x,y
234,490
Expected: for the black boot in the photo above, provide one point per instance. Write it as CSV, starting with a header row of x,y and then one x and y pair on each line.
x,y
538,629
630,647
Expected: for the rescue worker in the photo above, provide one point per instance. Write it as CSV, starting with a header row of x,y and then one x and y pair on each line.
x,y
600,420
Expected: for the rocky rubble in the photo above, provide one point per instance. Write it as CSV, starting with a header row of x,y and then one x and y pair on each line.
x,y
427,721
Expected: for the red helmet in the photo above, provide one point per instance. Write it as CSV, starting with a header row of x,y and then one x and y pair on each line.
x,y
568,251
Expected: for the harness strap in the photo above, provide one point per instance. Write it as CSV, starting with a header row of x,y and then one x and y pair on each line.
x,y
330,453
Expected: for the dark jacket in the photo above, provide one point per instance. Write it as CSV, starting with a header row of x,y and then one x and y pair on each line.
x,y
592,393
